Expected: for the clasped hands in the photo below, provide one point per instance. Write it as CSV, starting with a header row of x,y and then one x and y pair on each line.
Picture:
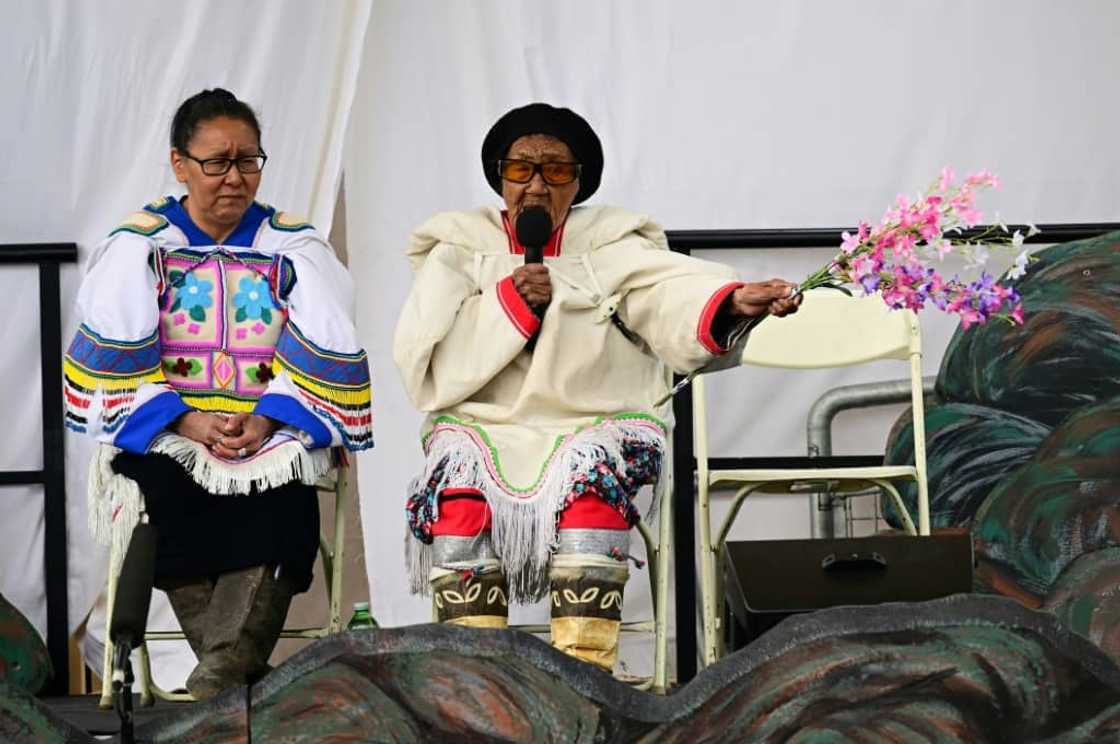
x,y
775,296
231,437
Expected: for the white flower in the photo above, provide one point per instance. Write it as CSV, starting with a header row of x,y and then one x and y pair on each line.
x,y
1017,240
999,221
1020,266
976,255
1032,230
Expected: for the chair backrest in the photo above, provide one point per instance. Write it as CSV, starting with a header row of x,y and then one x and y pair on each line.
x,y
834,330
830,330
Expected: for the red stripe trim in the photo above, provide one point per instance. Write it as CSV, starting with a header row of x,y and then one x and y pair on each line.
x,y
462,517
590,512
351,420
551,248
76,401
708,316
516,309
114,402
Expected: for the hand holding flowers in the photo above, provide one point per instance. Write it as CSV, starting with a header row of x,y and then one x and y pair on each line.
x,y
890,258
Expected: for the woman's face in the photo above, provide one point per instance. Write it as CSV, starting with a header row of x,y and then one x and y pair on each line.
x,y
218,201
539,148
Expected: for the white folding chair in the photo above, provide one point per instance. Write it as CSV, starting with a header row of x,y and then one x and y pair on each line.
x,y
830,330
330,552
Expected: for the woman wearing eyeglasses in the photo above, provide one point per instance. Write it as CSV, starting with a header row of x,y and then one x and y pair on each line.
x,y
541,382
217,363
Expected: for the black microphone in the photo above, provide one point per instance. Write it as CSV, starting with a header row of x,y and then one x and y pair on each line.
x,y
534,228
133,597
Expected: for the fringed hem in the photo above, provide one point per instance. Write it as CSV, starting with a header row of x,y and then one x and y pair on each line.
x,y
282,460
115,501
524,524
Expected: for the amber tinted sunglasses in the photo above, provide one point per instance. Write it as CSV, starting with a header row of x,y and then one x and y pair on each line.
x,y
554,173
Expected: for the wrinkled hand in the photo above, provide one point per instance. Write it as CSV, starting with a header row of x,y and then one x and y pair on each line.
x,y
534,285
759,298
243,434
202,427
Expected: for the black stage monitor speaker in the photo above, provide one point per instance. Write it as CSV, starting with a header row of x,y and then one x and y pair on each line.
x,y
765,581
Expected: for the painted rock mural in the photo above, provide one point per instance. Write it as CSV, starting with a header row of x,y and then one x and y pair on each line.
x,y
24,662
1024,442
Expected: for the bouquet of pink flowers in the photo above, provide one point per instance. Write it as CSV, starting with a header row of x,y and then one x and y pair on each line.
x,y
891,257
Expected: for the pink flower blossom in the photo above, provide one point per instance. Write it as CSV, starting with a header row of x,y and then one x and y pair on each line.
x,y
888,258
946,179
241,333
179,318
194,328
259,328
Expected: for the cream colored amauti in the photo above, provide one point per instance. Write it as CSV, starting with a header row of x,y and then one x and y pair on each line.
x,y
830,330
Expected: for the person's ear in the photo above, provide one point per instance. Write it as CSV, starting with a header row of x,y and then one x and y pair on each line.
x,y
179,165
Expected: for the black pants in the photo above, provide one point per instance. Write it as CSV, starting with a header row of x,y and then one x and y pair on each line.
x,y
202,534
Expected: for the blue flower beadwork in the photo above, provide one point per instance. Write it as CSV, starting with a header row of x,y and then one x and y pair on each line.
x,y
195,292
253,300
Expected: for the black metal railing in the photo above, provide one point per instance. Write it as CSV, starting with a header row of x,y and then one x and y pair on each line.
x,y
684,464
52,476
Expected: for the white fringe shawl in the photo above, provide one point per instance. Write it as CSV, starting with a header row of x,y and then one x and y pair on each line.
x,y
115,501
524,524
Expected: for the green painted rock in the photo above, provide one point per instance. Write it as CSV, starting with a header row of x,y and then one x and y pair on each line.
x,y
969,450
1086,599
1061,505
1066,355
966,668
23,657
25,719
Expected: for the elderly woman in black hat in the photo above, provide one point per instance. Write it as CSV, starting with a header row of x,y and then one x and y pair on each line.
x,y
541,381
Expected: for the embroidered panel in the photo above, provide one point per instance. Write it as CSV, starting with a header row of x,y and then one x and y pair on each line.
x,y
220,319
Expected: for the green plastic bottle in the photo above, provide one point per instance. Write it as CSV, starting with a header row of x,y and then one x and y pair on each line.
x,y
362,618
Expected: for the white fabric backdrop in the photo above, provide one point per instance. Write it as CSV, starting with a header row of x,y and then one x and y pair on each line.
x,y
90,89
712,115
718,115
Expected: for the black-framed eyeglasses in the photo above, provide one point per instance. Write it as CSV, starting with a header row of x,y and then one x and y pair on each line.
x,y
220,166
554,173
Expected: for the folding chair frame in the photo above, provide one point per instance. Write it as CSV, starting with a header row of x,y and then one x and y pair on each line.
x,y
800,481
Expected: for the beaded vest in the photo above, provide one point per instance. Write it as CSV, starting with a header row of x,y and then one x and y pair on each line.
x,y
221,314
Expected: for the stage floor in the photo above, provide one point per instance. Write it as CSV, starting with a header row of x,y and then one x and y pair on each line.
x,y
82,712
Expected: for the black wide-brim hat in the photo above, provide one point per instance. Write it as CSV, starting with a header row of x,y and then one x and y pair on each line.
x,y
540,118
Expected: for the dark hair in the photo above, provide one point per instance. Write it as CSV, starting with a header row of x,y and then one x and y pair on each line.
x,y
206,105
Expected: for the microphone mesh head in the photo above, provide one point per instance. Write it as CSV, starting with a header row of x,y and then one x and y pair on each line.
x,y
134,587
534,227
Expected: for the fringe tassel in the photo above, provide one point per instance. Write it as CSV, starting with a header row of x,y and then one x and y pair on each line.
x,y
104,403
358,395
524,525
220,403
283,463
354,423
115,503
